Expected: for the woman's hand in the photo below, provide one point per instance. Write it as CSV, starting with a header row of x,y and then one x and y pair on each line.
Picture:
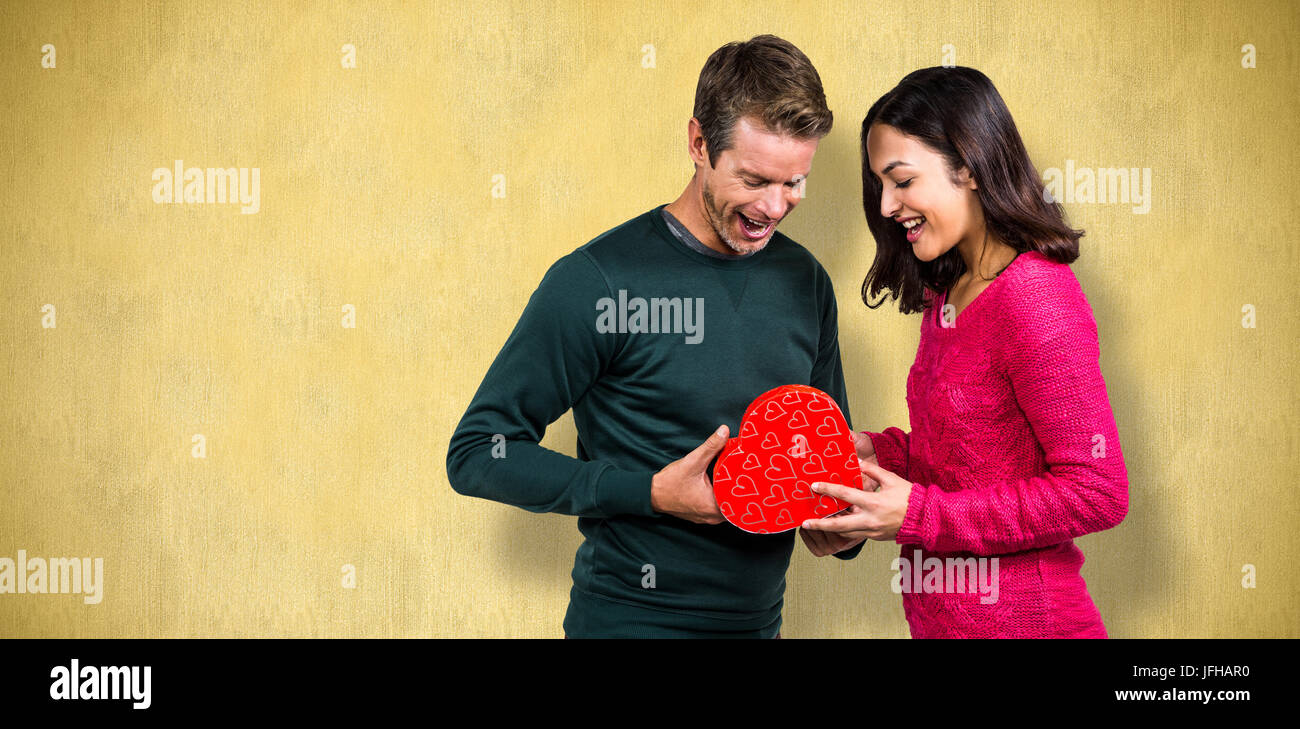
x,y
822,543
872,514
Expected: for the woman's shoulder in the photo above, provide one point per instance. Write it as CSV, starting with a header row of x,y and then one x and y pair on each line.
x,y
1037,268
1038,280
1044,297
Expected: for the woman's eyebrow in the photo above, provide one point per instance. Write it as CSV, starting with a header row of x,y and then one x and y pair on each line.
x,y
892,165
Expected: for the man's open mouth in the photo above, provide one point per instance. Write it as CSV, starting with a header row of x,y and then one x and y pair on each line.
x,y
754,229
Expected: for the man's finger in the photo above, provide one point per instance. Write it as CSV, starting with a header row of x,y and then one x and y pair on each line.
x,y
815,542
829,543
705,452
808,542
861,439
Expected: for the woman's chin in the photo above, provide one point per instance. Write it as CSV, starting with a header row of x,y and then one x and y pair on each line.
x,y
926,253
923,254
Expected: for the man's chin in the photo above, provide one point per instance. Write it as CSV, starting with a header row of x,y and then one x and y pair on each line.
x,y
742,246
746,247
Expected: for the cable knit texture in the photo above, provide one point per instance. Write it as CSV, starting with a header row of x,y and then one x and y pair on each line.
x,y
1013,452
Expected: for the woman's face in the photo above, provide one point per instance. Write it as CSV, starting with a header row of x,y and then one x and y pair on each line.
x,y
917,189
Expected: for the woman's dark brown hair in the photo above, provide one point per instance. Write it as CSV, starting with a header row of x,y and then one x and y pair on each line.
x,y
959,114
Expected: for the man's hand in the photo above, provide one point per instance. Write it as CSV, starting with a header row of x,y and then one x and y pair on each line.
x,y
862,443
683,489
823,543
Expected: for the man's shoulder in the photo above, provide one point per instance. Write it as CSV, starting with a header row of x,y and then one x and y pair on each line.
x,y
614,240
592,265
616,251
790,253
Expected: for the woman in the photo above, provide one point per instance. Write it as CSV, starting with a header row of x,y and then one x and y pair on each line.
x,y
1013,450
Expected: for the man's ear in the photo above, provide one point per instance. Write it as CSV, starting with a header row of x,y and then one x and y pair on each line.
x,y
696,146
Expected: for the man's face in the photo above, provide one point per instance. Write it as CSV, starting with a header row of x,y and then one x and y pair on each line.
x,y
754,185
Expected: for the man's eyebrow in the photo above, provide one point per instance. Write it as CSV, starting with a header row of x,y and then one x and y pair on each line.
x,y
746,173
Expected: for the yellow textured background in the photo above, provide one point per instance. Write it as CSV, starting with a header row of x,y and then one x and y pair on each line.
x,y
326,445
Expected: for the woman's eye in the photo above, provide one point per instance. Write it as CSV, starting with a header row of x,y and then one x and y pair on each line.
x,y
906,182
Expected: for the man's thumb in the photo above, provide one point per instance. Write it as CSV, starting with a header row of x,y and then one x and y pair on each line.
x,y
701,456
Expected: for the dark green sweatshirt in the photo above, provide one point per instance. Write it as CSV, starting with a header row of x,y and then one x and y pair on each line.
x,y
653,345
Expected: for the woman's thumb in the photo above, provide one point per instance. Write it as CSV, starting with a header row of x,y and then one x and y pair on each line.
x,y
877,472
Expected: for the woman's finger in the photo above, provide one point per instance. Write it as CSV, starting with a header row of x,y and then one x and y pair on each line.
x,y
843,493
877,473
834,524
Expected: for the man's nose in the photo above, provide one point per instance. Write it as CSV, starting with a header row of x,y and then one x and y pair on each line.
x,y
776,201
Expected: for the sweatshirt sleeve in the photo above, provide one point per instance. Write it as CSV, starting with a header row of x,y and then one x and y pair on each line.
x,y
1051,357
828,371
547,364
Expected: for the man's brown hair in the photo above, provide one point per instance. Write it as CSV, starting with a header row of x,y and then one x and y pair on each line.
x,y
766,78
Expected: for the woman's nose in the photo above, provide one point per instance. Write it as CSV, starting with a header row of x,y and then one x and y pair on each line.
x,y
888,206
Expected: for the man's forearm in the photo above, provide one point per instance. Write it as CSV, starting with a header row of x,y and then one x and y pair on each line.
x,y
525,474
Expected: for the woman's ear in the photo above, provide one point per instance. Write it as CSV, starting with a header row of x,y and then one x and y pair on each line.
x,y
966,179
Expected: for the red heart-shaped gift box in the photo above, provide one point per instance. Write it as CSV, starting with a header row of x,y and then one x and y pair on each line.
x,y
790,438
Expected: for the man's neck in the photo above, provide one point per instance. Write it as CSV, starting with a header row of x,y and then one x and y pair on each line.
x,y
688,208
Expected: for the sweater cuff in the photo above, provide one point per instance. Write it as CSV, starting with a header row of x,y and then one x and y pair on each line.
x,y
888,455
624,492
909,532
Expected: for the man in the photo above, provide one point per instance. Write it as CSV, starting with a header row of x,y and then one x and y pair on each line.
x,y
616,331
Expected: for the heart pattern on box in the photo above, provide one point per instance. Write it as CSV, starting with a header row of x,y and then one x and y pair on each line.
x,y
790,438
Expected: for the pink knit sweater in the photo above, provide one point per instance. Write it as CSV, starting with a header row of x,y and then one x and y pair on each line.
x,y
1013,452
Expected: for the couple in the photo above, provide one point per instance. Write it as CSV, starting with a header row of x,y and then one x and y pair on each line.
x,y
1013,449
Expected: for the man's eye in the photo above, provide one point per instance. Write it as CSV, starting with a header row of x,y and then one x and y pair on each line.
x,y
751,183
